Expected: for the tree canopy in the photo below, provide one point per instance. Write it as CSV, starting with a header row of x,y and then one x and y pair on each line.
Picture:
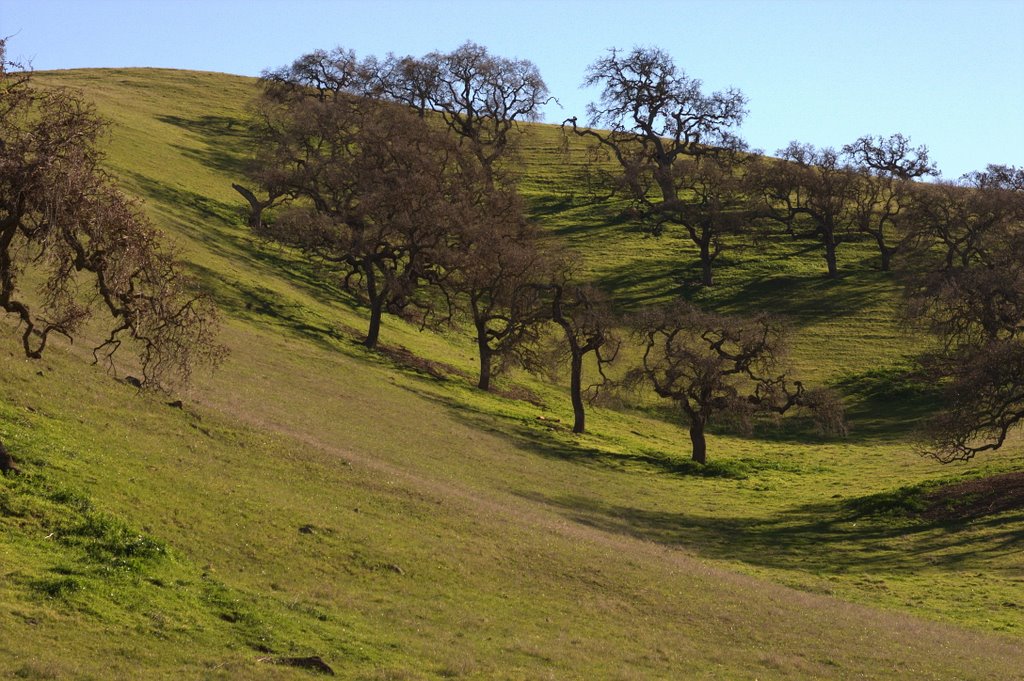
x,y
966,284
661,129
72,245
63,225
720,366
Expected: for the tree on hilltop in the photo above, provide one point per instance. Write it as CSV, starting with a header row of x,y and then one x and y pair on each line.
x,y
883,190
64,225
481,97
662,129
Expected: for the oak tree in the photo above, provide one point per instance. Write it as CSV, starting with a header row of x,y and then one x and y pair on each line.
x,y
657,124
718,203
72,245
716,366
483,98
584,314
500,272
965,282
810,191
883,189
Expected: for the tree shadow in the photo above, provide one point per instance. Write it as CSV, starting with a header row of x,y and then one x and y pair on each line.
x,y
545,205
802,299
551,439
225,140
220,228
265,306
831,537
645,282
889,402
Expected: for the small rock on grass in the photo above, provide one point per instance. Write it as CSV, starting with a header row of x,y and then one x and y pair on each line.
x,y
313,663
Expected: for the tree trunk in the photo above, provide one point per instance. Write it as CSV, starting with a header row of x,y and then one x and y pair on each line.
x,y
376,306
485,357
255,207
707,277
703,241
886,252
376,312
700,445
576,392
6,461
830,258
485,367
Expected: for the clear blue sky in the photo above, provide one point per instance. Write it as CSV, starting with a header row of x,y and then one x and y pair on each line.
x,y
948,73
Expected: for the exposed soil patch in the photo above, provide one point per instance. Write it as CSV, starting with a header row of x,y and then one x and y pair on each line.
x,y
975,498
521,394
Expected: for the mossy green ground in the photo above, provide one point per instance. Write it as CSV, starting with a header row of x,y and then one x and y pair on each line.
x,y
313,498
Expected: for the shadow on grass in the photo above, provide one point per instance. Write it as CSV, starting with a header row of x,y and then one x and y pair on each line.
x,y
545,205
832,537
889,402
225,139
533,433
265,306
220,228
644,282
802,299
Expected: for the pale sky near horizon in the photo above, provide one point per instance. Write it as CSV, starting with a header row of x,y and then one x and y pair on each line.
x,y
947,73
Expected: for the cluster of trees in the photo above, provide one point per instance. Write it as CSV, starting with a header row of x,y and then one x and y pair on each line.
x,y
398,176
674,152
72,244
965,282
414,212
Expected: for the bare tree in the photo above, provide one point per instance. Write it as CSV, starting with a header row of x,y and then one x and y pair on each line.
x,y
500,273
712,366
410,81
584,315
718,203
367,185
658,124
881,194
256,205
999,177
810,191
324,74
482,98
966,283
63,223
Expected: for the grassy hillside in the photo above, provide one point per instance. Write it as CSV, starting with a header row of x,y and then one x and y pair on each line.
x,y
313,498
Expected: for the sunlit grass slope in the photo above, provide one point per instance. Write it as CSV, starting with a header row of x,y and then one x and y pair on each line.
x,y
313,498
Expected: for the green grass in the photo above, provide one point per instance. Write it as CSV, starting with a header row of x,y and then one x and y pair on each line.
x,y
314,498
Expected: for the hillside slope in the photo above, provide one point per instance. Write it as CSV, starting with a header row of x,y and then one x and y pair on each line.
x,y
316,499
